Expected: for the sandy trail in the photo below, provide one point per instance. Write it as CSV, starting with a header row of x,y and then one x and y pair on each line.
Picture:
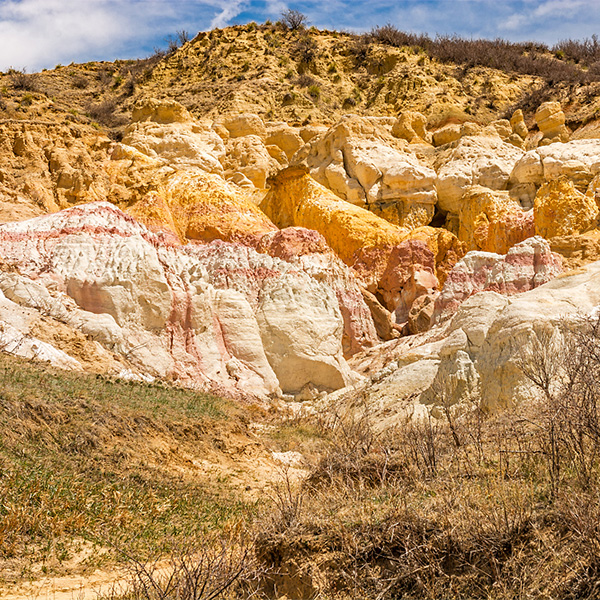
x,y
89,587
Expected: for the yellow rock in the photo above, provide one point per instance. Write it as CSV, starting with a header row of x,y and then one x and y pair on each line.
x,y
200,206
296,200
154,212
517,122
160,111
577,250
550,119
593,190
491,221
446,135
560,209
411,126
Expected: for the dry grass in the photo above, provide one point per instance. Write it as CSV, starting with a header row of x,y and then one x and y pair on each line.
x,y
470,506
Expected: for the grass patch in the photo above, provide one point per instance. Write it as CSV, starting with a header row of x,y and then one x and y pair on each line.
x,y
107,461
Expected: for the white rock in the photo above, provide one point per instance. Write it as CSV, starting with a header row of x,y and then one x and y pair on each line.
x,y
475,160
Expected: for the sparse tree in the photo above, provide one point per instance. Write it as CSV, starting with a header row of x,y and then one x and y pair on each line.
x,y
293,19
183,37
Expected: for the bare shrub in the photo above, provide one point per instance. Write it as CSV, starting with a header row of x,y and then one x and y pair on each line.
x,y
211,570
183,37
305,50
390,35
526,57
105,113
305,80
360,47
356,455
586,51
80,82
21,80
564,368
288,499
293,19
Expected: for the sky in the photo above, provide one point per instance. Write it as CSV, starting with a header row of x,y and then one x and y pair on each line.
x,y
36,34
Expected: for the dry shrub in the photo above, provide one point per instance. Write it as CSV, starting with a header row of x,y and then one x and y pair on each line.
x,y
392,36
305,81
293,19
105,113
466,505
526,57
21,80
305,50
586,51
80,81
221,567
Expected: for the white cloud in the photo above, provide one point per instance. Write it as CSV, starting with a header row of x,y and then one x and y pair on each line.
x,y
558,8
229,10
276,7
34,31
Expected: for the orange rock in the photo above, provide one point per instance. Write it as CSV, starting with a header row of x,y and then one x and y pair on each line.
x,y
154,212
203,207
492,221
560,209
296,200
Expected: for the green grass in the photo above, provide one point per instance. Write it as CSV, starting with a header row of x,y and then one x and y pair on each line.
x,y
87,457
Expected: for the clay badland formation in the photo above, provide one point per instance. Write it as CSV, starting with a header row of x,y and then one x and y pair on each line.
x,y
276,216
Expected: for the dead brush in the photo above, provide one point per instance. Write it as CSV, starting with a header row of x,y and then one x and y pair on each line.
x,y
23,81
105,113
222,567
356,454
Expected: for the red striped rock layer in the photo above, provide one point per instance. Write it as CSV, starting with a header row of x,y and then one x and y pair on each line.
x,y
525,266
209,315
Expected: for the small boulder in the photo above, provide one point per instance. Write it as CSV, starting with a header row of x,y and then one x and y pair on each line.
x,y
550,120
411,126
517,122
242,125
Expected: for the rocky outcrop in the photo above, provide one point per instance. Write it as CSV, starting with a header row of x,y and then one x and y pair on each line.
x,y
412,127
578,161
363,164
550,120
475,160
241,125
249,157
517,123
194,206
491,221
296,200
218,316
287,138
393,263
308,250
577,250
45,167
165,130
398,275
472,360
525,266
560,209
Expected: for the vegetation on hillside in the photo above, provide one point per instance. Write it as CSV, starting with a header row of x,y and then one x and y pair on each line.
x,y
460,504
86,461
288,71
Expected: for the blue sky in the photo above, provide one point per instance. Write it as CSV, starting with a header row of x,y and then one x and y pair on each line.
x,y
42,33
